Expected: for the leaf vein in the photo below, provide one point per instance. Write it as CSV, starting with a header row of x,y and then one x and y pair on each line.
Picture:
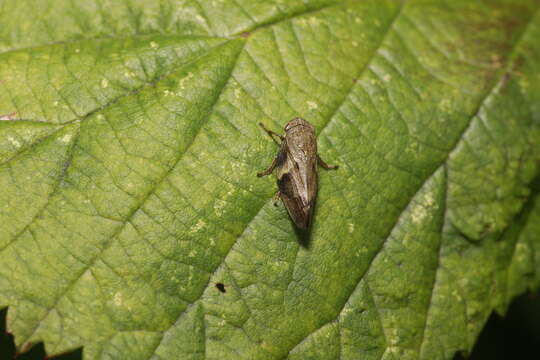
x,y
133,211
486,96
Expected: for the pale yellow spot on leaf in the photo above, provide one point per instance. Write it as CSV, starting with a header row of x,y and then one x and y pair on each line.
x,y
312,105
14,141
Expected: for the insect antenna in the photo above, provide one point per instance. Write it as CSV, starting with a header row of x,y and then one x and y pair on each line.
x,y
272,133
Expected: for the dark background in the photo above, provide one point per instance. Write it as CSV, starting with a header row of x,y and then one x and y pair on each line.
x,y
516,336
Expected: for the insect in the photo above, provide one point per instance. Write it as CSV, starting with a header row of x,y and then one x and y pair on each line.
x,y
296,164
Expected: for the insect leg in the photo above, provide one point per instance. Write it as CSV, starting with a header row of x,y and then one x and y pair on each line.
x,y
276,197
325,165
272,133
269,170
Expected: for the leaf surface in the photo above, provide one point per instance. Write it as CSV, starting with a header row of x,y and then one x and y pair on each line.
x,y
129,146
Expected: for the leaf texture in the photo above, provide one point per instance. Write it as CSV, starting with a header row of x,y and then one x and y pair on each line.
x,y
129,146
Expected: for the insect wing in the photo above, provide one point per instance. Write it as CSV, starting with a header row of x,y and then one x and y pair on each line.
x,y
297,184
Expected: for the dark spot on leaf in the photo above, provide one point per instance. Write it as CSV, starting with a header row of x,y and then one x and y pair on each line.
x,y
221,287
513,72
245,34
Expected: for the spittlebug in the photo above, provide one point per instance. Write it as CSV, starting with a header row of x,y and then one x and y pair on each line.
x,y
296,164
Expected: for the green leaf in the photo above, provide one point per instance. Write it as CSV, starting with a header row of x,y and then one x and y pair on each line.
x,y
129,146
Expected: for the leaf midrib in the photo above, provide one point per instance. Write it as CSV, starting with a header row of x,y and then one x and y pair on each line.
x,y
330,117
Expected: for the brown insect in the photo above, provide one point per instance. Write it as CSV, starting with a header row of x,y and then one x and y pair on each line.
x,y
296,165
